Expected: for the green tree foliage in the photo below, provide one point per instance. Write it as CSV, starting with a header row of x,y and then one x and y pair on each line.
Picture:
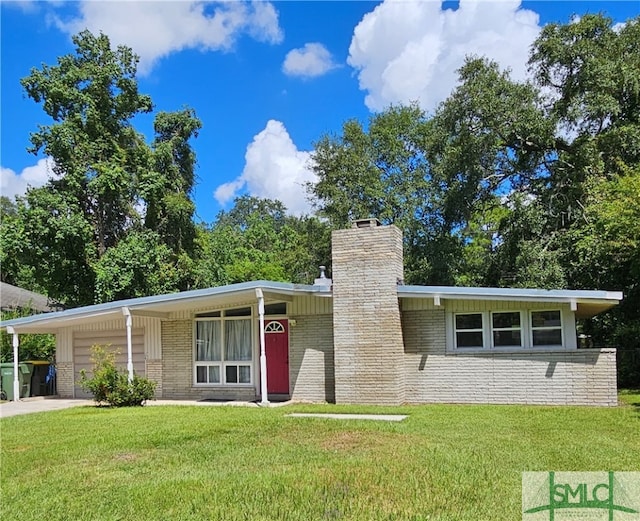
x,y
32,346
56,244
591,72
383,172
139,265
82,237
91,97
257,240
529,252
607,255
13,271
167,187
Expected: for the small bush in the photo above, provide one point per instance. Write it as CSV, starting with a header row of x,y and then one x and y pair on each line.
x,y
111,386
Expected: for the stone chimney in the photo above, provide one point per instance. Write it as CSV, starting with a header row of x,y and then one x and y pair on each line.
x,y
368,344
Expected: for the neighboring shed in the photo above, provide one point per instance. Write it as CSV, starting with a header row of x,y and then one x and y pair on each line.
x,y
13,297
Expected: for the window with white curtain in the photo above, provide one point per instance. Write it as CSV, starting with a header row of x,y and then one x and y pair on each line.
x,y
224,348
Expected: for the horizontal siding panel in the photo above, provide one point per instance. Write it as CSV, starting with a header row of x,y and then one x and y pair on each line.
x,y
119,323
117,340
103,338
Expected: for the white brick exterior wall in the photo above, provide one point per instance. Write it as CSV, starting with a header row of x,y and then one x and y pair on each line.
x,y
153,370
573,377
64,379
311,368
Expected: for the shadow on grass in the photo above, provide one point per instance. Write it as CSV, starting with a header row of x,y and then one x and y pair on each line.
x,y
630,398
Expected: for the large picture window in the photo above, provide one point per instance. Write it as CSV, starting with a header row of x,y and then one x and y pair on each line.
x,y
223,350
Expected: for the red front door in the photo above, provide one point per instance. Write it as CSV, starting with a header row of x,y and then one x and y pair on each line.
x,y
276,344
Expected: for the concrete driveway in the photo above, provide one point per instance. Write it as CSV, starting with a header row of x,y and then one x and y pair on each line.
x,y
38,404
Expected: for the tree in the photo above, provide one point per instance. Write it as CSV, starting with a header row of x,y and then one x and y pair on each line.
x,y
167,188
384,173
257,240
607,249
53,245
592,73
113,199
91,96
139,265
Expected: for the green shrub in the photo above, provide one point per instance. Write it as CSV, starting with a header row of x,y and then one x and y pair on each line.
x,y
110,385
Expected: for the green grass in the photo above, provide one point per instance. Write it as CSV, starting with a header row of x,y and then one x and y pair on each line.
x,y
445,462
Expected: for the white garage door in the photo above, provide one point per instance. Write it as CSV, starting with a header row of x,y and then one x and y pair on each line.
x,y
117,340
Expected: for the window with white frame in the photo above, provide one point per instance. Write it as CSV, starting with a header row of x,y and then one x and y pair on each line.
x,y
506,329
546,328
223,347
469,330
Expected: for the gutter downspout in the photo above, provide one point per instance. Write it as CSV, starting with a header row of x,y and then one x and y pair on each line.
x,y
16,381
127,313
263,354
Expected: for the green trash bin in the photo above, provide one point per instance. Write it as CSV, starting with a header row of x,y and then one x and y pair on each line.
x,y
6,380
24,379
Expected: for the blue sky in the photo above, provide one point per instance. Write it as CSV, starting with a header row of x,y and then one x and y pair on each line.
x,y
268,79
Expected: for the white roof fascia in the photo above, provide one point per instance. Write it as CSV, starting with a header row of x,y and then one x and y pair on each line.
x,y
517,294
155,303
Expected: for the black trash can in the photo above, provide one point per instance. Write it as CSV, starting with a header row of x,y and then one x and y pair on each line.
x,y
42,378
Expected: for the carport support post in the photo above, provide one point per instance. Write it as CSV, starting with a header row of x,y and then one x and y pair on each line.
x,y
263,354
16,381
127,313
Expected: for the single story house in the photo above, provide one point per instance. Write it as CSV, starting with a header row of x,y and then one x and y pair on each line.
x,y
363,337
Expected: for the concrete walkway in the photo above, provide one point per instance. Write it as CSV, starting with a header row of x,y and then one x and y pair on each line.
x,y
52,403
342,416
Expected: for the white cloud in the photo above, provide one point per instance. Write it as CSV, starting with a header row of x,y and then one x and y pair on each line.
x,y
28,6
156,29
309,61
12,184
274,169
410,50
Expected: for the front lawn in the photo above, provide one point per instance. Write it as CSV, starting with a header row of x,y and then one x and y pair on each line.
x,y
444,462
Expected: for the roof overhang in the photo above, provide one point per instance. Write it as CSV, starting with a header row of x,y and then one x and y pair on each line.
x,y
585,303
161,306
